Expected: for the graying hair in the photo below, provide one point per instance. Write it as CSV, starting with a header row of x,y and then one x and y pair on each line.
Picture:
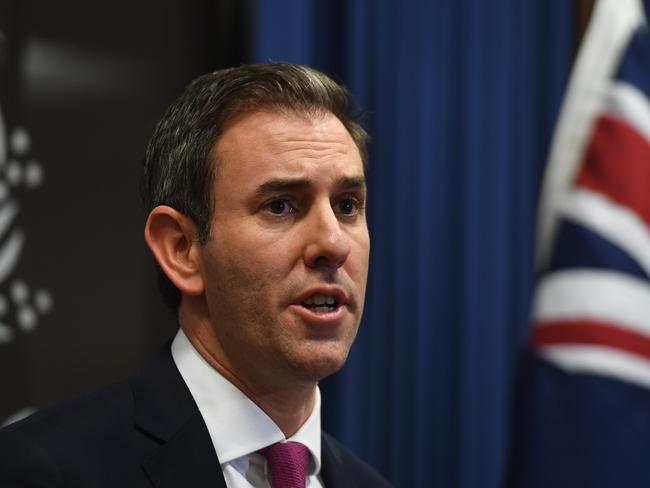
x,y
179,166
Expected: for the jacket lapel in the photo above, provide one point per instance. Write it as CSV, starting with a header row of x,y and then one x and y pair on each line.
x,y
166,412
332,471
186,460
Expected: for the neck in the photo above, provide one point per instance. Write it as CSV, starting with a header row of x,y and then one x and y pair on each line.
x,y
288,403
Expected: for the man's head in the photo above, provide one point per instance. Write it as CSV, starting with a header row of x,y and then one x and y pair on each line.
x,y
180,163
266,238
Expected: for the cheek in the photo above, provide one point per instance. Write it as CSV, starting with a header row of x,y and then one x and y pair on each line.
x,y
253,268
276,252
359,258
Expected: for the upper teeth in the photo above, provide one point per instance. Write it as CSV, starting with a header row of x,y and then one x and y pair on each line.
x,y
319,299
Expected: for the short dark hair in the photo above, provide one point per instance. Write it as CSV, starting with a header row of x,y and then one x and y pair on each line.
x,y
179,163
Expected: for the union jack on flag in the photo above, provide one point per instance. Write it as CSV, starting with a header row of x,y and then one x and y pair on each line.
x,y
585,411
592,308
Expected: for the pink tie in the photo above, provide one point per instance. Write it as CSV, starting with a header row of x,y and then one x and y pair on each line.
x,y
287,463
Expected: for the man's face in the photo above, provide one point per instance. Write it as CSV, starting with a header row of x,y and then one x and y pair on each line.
x,y
285,270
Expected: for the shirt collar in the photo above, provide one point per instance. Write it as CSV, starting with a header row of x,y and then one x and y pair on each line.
x,y
237,426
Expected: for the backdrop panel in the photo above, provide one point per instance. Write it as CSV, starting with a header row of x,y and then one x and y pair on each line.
x,y
81,86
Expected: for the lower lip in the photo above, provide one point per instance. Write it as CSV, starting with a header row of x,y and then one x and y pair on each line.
x,y
323,318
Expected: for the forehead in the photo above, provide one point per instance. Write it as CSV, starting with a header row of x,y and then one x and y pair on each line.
x,y
286,144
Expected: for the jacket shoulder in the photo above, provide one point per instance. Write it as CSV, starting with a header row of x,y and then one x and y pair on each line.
x,y
74,438
85,416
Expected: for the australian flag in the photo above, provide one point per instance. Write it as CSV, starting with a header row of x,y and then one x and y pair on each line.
x,y
583,413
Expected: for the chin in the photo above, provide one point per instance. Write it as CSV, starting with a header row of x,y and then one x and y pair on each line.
x,y
317,366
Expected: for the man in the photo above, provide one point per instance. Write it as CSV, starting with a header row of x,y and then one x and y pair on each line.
x,y
254,184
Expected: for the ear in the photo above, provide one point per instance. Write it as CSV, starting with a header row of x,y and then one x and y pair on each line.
x,y
172,238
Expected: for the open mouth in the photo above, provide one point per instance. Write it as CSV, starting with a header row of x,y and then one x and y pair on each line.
x,y
319,303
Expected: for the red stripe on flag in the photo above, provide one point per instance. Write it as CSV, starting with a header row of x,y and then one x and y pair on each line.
x,y
572,332
617,164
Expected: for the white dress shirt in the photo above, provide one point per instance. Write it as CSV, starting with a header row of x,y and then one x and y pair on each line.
x,y
237,426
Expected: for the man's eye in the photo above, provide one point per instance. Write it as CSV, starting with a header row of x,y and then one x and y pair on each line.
x,y
279,207
348,206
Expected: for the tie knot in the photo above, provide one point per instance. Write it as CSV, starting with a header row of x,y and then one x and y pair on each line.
x,y
287,463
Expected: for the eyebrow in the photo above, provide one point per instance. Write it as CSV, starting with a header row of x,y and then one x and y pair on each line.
x,y
289,184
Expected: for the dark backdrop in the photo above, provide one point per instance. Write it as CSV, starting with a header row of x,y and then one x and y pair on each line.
x,y
86,81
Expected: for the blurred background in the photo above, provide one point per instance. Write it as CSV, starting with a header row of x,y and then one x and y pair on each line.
x,y
461,98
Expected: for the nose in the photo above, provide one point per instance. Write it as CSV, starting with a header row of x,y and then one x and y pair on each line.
x,y
327,244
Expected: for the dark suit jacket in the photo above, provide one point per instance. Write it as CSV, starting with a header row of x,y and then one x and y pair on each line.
x,y
146,432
